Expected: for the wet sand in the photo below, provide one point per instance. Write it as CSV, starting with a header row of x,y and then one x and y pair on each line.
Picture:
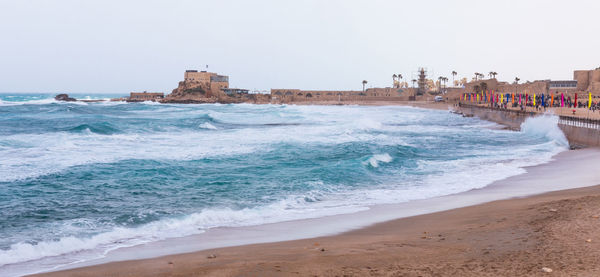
x,y
557,231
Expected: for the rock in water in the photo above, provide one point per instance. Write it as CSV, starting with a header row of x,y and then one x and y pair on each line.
x,y
64,97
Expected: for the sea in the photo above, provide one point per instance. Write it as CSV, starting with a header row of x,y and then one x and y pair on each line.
x,y
79,180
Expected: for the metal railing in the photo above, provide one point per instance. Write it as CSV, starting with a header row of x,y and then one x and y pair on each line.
x,y
579,122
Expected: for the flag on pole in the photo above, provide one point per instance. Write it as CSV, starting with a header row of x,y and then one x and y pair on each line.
x,y
534,99
543,103
590,101
562,100
575,104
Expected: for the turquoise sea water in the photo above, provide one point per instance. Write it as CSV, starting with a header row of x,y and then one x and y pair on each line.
x,y
78,180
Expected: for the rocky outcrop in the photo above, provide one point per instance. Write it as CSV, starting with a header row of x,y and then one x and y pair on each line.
x,y
64,97
189,92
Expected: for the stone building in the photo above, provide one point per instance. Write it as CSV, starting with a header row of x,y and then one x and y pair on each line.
x,y
145,96
588,80
213,81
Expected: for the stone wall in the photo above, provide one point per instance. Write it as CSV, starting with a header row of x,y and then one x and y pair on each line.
x,y
576,135
581,135
536,87
512,119
371,94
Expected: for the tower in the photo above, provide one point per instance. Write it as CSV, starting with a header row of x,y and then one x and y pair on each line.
x,y
422,81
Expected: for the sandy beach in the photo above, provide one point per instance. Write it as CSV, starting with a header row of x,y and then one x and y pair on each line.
x,y
555,231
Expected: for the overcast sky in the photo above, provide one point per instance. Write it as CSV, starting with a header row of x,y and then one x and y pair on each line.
x,y
122,46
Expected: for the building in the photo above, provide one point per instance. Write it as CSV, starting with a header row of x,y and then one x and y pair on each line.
x,y
588,80
145,96
213,81
562,86
234,91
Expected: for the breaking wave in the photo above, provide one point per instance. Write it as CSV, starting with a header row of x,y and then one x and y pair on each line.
x,y
545,126
380,158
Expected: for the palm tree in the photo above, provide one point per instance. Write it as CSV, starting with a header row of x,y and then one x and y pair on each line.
x,y
440,80
494,74
454,73
445,80
399,78
394,78
517,80
413,82
364,82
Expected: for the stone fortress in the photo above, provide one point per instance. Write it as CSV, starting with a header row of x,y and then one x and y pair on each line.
x,y
208,87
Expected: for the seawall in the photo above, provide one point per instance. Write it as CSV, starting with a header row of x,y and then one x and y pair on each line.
x,y
579,131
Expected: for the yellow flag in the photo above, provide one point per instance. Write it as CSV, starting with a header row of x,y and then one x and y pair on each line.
x,y
590,101
501,98
534,99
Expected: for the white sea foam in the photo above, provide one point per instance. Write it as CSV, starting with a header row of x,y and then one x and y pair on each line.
x,y
379,158
207,125
29,102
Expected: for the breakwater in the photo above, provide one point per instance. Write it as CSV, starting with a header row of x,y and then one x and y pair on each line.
x,y
579,131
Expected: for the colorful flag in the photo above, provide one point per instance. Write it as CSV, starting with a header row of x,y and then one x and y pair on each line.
x,y
543,104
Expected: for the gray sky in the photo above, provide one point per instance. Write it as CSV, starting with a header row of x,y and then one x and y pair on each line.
x,y
120,46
